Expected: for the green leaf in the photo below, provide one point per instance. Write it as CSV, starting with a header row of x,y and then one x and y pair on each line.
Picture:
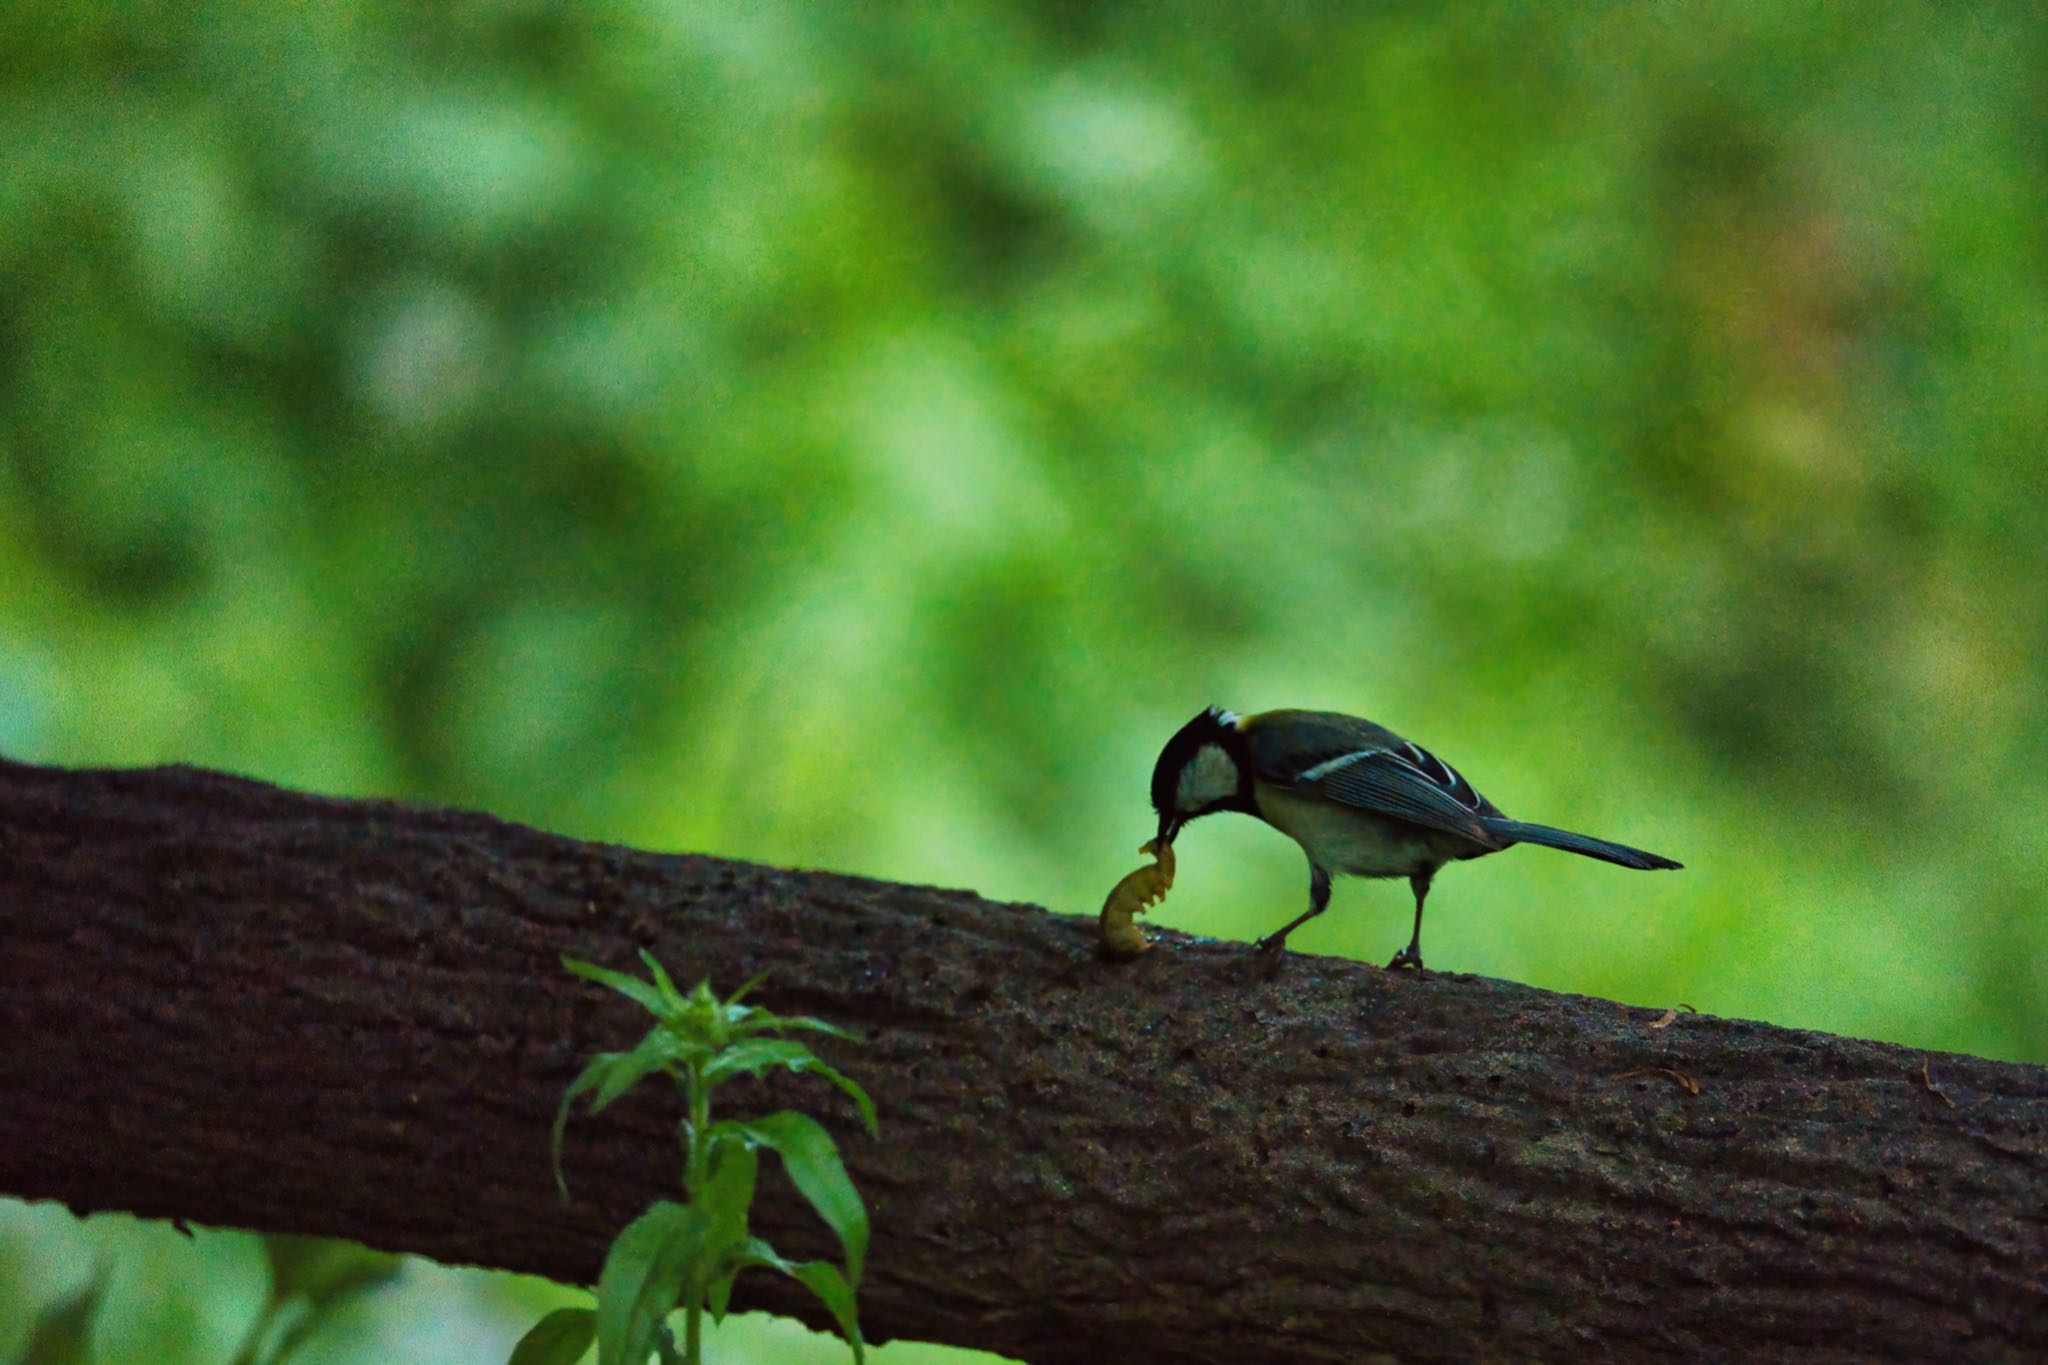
x,y
651,1054
813,1163
323,1271
643,1276
747,986
311,1278
761,1021
560,1338
586,1079
757,1055
725,1199
63,1331
753,1056
823,1279
727,1194
632,987
852,1089
671,998
718,1294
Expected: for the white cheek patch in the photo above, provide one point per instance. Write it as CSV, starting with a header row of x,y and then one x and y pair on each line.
x,y
1211,777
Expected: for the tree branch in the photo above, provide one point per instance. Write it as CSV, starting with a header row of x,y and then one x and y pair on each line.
x,y
239,1005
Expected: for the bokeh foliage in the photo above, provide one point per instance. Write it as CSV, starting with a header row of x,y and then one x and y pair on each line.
x,y
856,437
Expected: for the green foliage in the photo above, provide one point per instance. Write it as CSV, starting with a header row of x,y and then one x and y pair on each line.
x,y
812,1160
322,1272
657,1264
822,1278
854,437
687,1255
311,1279
560,1338
63,1330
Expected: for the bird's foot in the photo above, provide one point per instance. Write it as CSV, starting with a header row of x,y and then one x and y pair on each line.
x,y
1411,956
1271,943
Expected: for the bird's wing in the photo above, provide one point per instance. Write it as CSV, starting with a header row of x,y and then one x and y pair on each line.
x,y
1359,764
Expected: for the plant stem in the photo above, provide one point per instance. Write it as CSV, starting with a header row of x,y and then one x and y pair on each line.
x,y
693,1180
700,1124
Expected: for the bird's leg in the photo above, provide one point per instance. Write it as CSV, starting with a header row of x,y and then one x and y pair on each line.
x,y
1318,901
1411,956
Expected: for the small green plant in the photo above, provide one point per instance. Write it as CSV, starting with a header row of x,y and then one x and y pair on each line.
x,y
686,1255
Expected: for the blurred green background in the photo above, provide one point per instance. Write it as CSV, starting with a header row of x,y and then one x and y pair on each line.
x,y
857,439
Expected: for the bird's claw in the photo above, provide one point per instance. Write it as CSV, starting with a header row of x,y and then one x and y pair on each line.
x,y
1409,956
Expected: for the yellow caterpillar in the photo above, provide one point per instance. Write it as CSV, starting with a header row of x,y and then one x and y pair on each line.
x,y
1139,889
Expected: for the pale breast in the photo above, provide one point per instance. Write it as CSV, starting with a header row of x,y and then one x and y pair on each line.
x,y
1344,839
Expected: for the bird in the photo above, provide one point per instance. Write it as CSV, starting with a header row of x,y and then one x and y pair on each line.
x,y
1359,799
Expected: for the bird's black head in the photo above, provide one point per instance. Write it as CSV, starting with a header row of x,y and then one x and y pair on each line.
x,y
1205,767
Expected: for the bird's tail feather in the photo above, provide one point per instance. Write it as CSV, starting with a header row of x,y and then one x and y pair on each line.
x,y
1522,832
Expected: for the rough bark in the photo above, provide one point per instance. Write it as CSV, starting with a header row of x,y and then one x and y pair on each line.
x,y
238,1005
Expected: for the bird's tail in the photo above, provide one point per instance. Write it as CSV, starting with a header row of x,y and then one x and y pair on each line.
x,y
1521,832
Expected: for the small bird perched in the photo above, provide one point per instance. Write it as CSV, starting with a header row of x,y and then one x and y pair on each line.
x,y
1358,798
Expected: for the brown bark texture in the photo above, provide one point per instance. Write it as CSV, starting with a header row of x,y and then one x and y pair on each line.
x,y
238,1005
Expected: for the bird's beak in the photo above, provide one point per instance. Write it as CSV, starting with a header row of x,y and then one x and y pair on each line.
x,y
1169,826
